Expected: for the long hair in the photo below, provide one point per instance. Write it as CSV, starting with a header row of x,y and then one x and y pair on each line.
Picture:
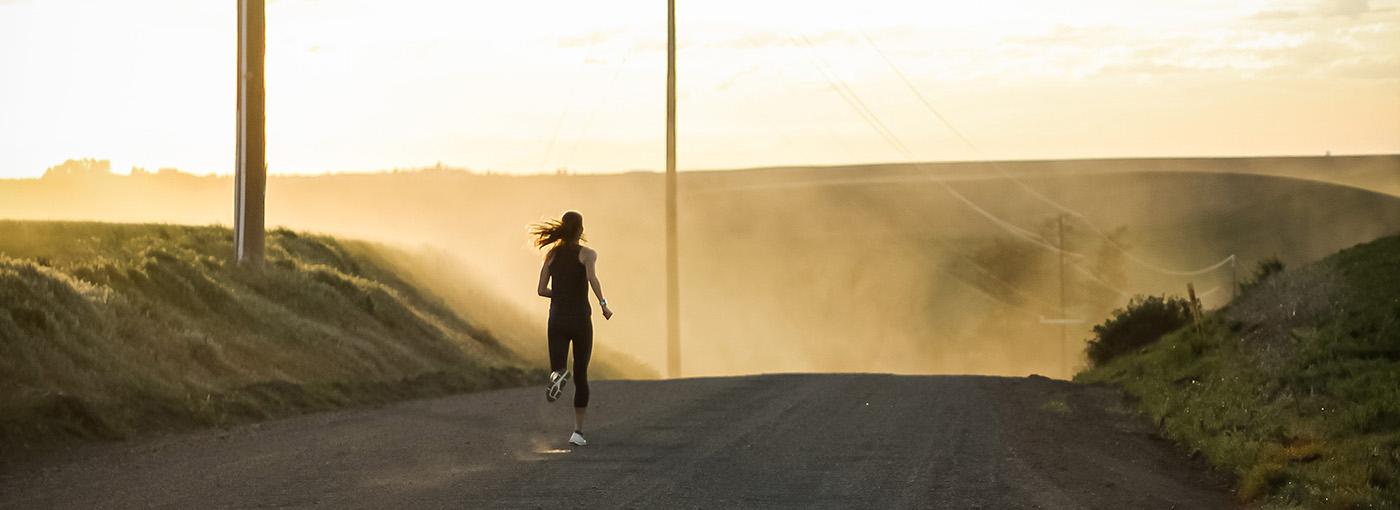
x,y
565,230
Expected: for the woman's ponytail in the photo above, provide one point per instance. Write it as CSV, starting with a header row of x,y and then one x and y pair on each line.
x,y
567,229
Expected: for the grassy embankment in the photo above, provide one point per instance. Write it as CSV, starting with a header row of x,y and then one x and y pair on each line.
x,y
1294,386
109,330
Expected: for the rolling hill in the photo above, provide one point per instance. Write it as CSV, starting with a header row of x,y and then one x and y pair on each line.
x,y
870,268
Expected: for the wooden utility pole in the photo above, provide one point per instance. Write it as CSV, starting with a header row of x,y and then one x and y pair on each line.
x,y
1062,321
673,306
1197,312
250,169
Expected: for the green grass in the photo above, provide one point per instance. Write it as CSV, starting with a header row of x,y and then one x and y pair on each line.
x,y
110,330
1294,387
1057,406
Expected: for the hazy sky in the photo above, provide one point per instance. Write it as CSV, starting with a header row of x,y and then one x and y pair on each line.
x,y
357,85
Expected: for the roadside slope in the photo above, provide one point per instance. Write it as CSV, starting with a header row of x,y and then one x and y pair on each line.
x,y
110,330
1294,387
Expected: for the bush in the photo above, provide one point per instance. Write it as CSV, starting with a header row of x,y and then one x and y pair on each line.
x,y
1263,270
1142,322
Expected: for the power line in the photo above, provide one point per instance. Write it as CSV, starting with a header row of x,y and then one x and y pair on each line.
x,y
1014,289
573,92
607,95
849,95
873,120
1034,192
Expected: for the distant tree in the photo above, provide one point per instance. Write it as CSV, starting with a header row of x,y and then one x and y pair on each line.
x,y
79,169
1008,269
1110,265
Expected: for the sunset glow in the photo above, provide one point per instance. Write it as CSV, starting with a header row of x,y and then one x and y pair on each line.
x,y
526,87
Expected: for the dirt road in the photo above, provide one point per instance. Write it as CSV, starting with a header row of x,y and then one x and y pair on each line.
x,y
773,441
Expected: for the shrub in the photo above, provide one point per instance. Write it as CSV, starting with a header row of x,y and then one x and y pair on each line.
x,y
1142,322
1263,270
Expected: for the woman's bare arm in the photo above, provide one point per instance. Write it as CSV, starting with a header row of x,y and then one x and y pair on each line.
x,y
543,288
589,258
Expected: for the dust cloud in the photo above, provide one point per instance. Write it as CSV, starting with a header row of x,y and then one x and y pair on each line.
x,y
870,269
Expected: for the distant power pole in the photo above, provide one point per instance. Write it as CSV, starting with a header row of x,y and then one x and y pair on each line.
x,y
250,169
1064,343
673,305
1063,321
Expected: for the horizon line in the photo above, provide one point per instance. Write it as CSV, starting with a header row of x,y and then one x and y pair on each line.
x,y
576,173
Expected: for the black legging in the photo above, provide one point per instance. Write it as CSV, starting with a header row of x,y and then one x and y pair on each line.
x,y
579,329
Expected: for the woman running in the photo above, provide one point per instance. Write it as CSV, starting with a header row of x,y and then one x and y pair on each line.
x,y
571,267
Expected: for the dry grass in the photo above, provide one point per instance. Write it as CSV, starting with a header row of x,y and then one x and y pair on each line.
x,y
1278,310
110,330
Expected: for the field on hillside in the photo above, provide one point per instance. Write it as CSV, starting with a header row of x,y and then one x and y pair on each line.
x,y
874,268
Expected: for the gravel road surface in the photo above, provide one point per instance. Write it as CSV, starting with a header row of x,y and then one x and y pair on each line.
x,y
768,441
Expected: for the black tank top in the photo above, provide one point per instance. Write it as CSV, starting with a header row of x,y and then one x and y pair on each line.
x,y
570,290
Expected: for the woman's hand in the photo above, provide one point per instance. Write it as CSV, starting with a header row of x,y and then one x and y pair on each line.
x,y
607,312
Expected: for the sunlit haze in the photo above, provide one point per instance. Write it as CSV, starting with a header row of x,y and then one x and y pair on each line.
x,y
527,87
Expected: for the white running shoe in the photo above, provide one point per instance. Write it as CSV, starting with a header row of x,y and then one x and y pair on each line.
x,y
577,439
557,380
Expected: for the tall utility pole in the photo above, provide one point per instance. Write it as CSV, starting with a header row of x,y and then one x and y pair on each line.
x,y
250,170
673,305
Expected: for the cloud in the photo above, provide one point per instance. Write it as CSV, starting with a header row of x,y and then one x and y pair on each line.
x,y
1062,33
1323,9
728,82
1261,54
586,39
1315,45
1383,68
1342,39
1346,7
1273,15
780,39
1145,68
